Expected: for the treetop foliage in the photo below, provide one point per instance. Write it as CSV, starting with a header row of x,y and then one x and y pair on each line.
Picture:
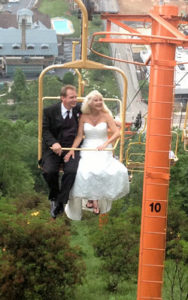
x,y
36,260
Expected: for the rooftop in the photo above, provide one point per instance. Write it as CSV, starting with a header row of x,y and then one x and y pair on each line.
x,y
9,20
38,42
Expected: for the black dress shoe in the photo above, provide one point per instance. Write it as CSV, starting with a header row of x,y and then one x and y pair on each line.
x,y
60,208
54,209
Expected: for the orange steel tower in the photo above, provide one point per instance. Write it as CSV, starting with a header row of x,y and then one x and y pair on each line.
x,y
157,167
164,38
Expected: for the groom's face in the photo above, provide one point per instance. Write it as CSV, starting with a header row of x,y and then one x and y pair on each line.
x,y
70,99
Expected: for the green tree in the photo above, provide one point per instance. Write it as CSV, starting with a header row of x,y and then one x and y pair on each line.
x,y
52,86
117,245
19,88
28,155
15,176
176,278
68,78
176,271
36,259
178,184
25,95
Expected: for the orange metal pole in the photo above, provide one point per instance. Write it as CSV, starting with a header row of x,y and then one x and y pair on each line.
x,y
157,168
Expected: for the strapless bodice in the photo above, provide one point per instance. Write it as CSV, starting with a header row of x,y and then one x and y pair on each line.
x,y
95,136
98,131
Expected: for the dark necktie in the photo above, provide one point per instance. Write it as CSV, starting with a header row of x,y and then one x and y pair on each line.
x,y
68,115
67,118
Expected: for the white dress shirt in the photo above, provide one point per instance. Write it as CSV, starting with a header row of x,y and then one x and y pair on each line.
x,y
64,111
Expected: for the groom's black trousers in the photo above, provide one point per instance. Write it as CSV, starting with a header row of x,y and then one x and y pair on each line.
x,y
51,163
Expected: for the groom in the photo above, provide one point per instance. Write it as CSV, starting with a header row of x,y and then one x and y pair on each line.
x,y
60,125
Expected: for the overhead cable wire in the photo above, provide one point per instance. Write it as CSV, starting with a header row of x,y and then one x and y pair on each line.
x,y
142,85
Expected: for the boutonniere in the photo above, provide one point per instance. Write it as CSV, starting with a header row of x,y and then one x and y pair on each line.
x,y
78,115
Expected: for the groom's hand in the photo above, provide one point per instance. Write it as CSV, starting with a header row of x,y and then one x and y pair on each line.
x,y
56,148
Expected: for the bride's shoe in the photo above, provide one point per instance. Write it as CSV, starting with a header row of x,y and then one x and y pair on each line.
x,y
89,204
96,209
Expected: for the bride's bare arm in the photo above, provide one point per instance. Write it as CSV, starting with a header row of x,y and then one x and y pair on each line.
x,y
114,130
77,139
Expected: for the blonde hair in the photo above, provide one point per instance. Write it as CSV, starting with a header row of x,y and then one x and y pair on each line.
x,y
88,100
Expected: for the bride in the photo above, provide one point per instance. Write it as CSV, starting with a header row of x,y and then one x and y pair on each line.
x,y
100,177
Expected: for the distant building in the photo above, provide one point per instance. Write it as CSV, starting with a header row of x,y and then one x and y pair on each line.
x,y
8,19
30,46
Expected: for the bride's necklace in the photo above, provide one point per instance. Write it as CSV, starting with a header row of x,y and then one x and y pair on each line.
x,y
95,119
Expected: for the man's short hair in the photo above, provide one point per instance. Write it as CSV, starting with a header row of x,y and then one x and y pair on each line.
x,y
64,89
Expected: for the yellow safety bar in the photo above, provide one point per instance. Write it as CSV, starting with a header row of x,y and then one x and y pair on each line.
x,y
84,63
185,130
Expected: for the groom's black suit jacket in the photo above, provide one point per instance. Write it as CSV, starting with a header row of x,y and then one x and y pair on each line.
x,y
56,129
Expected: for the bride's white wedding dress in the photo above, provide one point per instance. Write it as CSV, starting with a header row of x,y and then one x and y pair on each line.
x,y
99,177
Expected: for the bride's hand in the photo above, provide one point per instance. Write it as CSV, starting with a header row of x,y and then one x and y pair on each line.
x,y
102,147
68,156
